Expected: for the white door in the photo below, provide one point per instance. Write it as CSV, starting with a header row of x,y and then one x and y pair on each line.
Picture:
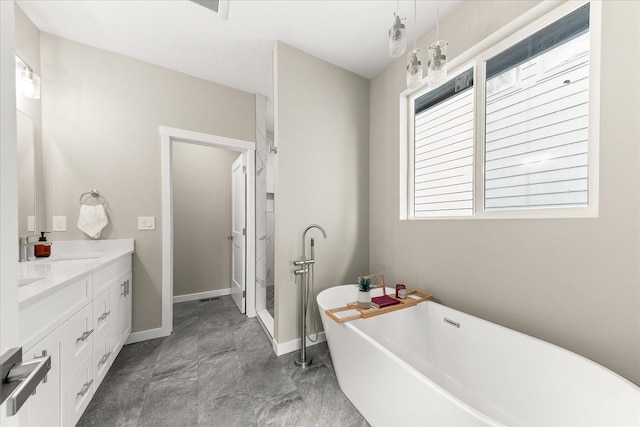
x,y
9,319
238,232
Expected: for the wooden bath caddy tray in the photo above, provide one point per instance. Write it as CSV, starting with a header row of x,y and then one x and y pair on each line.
x,y
352,312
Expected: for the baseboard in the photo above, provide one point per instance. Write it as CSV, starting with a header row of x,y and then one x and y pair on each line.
x,y
201,295
265,319
149,334
293,345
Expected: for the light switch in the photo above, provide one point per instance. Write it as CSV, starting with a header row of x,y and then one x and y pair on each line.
x,y
146,223
59,223
31,223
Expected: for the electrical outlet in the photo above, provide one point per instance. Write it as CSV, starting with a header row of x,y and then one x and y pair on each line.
x,y
59,223
146,223
31,223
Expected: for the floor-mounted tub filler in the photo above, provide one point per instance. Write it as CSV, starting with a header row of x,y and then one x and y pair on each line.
x,y
432,365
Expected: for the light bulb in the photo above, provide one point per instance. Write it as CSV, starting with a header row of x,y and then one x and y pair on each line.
x,y
437,63
30,84
397,37
414,69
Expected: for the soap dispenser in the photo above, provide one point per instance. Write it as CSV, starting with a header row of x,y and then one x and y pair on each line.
x,y
43,248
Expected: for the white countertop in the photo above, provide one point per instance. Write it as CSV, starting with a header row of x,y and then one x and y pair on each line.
x,y
69,260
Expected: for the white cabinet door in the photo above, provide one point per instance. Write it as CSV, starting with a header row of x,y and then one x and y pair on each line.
x,y
102,351
77,365
44,406
77,391
115,293
101,359
125,309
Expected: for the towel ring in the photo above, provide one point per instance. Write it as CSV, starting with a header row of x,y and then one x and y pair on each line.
x,y
94,194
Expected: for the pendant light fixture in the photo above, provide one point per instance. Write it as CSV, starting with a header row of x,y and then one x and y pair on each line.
x,y
27,81
437,61
397,34
414,63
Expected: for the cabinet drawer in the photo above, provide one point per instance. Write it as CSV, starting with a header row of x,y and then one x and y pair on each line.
x,y
101,314
78,391
119,267
43,315
101,359
78,338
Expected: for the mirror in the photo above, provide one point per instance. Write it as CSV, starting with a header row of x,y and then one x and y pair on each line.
x,y
26,175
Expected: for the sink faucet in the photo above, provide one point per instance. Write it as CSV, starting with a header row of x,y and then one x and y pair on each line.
x,y
24,244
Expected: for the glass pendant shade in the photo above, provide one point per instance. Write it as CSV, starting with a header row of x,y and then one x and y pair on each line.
x,y
30,84
437,63
397,37
27,82
414,69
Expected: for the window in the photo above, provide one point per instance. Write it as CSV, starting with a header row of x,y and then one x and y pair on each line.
x,y
525,146
443,149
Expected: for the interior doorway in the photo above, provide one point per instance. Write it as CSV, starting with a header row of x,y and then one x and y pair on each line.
x,y
170,136
202,220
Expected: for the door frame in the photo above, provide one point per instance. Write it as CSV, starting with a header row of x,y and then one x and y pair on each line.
x,y
168,135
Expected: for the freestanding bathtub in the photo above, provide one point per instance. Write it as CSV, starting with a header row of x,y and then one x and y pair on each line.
x,y
432,365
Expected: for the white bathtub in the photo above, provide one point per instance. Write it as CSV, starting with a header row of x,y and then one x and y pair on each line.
x,y
411,367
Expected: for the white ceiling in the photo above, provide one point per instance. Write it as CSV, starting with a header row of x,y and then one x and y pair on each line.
x,y
183,36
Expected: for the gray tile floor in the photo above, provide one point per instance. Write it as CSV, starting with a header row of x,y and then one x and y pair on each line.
x,y
218,369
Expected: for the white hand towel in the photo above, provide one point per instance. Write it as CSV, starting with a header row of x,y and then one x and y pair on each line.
x,y
92,220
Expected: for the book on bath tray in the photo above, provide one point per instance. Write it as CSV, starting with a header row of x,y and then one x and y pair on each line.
x,y
383,301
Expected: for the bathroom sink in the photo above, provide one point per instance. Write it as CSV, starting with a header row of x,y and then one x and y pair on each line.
x,y
79,257
23,281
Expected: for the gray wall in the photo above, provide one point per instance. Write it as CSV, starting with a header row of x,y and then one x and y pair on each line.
x,y
322,167
101,113
572,282
201,218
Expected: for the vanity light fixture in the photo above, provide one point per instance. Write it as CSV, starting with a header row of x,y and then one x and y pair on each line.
x,y
437,61
414,63
397,34
27,82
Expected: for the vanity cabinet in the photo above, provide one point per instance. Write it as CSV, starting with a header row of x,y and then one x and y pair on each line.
x,y
83,325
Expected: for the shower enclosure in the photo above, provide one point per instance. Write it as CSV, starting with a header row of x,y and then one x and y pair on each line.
x,y
265,212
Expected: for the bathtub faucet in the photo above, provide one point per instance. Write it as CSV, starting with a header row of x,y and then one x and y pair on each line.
x,y
305,271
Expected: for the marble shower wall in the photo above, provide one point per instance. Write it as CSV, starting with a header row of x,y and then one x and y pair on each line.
x,y
271,209
261,201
